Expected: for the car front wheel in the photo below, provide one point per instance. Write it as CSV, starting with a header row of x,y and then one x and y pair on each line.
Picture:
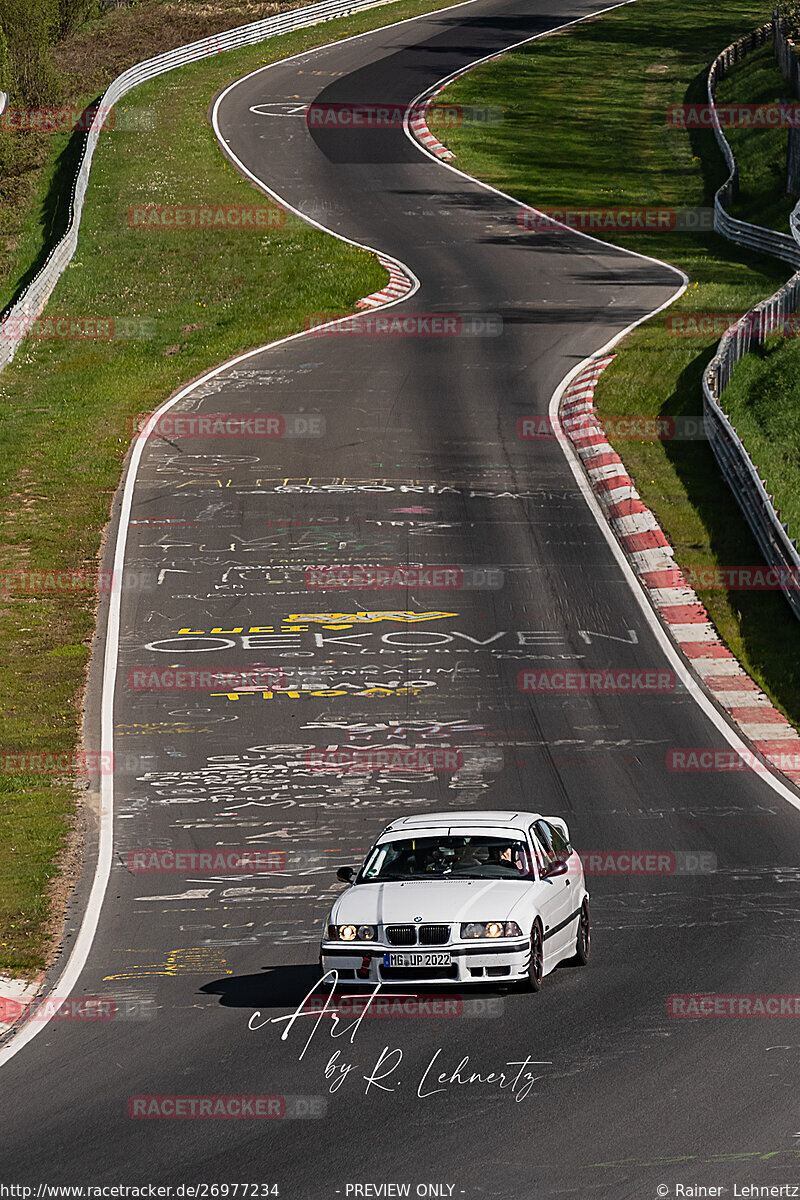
x,y
536,966
583,939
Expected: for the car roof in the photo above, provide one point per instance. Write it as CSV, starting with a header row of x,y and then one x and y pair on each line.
x,y
487,817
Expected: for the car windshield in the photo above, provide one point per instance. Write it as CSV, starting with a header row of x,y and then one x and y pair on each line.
x,y
471,856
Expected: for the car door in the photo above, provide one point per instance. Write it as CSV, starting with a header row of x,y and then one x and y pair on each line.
x,y
556,891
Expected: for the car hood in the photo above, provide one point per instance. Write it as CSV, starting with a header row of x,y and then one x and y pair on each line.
x,y
438,901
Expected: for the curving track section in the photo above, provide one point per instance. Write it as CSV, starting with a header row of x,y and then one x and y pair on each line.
x,y
420,462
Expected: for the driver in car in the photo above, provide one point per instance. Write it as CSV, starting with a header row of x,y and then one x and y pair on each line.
x,y
512,855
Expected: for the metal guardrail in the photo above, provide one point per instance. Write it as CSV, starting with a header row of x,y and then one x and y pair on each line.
x,y
768,241
32,301
736,465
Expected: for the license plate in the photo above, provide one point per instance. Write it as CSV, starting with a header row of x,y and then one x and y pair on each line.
x,y
417,959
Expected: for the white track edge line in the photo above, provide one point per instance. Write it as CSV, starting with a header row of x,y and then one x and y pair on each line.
x,y
83,943
420,98
684,673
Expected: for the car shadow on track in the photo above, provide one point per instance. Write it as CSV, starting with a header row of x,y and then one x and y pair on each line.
x,y
289,986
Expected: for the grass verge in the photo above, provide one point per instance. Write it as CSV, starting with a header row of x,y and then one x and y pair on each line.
x,y
585,126
760,153
65,408
763,399
763,402
36,168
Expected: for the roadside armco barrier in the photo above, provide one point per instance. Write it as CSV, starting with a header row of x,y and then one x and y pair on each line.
x,y
736,465
733,459
33,300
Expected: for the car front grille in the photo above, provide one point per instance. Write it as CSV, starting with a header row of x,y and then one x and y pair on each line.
x,y
406,935
434,935
401,935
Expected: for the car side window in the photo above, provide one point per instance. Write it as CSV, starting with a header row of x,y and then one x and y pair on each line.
x,y
545,834
376,860
561,846
538,850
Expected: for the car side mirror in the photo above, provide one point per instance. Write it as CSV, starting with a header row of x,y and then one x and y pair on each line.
x,y
556,868
345,874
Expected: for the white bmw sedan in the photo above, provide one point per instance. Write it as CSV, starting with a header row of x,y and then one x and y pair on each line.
x,y
461,897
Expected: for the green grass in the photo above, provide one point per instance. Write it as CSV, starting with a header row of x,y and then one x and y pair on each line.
x,y
763,399
28,167
585,126
763,402
36,169
65,408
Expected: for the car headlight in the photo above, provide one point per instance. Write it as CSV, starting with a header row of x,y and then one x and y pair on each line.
x,y
352,933
490,929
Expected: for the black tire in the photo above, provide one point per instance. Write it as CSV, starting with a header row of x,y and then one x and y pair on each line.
x,y
536,965
583,938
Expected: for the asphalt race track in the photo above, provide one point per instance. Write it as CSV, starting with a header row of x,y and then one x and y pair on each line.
x,y
419,462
